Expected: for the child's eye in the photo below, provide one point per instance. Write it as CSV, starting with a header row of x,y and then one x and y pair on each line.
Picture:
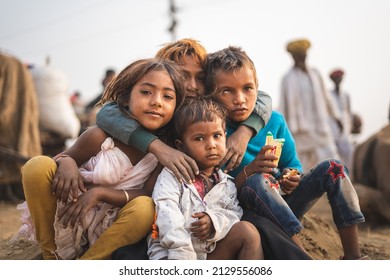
x,y
186,76
199,138
200,78
217,135
248,89
226,91
145,92
169,96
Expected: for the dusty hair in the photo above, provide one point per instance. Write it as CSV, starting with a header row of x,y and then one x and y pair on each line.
x,y
228,60
119,90
177,50
197,109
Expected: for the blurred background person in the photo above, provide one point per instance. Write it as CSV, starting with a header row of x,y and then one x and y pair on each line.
x,y
306,106
91,109
78,106
341,102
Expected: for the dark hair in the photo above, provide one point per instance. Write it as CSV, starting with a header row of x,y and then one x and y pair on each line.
x,y
119,90
228,60
197,109
110,72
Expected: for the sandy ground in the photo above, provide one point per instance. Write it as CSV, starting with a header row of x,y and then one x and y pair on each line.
x,y
319,237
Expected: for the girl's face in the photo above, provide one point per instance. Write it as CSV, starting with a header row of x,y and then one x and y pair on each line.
x,y
193,76
153,100
205,142
238,92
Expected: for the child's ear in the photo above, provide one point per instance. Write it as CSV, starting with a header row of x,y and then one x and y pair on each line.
x,y
179,145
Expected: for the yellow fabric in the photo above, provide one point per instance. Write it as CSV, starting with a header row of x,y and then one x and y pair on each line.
x,y
298,46
37,175
134,220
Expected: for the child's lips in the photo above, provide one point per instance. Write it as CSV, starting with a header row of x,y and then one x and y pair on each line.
x,y
240,111
154,113
213,156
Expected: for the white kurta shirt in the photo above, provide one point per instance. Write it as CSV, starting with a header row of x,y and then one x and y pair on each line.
x,y
175,204
306,106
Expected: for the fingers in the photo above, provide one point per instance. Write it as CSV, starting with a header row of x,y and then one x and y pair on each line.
x,y
287,189
232,158
71,214
81,185
198,215
67,184
234,162
201,228
202,233
265,166
184,169
289,184
224,160
181,171
265,148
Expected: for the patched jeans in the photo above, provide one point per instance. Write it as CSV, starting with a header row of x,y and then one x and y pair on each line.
x,y
329,176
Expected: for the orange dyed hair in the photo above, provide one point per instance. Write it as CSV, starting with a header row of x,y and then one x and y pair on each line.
x,y
177,50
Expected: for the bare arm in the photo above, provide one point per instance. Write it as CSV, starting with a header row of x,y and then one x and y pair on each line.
x,y
67,180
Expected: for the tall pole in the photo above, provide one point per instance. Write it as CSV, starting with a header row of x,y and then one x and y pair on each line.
x,y
172,14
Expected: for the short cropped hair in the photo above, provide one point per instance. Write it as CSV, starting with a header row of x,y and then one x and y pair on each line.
x,y
228,60
197,109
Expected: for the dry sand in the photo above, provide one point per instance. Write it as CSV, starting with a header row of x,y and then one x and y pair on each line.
x,y
319,237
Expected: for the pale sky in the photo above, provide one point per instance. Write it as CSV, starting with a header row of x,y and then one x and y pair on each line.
x,y
83,38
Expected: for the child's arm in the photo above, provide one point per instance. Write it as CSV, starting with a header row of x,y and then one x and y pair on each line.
x,y
128,131
238,141
67,180
173,241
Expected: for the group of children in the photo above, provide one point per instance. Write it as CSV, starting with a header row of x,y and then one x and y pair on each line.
x,y
186,158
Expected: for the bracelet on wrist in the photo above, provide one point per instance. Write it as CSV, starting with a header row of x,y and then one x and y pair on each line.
x,y
246,174
127,196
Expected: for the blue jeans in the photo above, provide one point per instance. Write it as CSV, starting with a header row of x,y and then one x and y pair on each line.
x,y
329,176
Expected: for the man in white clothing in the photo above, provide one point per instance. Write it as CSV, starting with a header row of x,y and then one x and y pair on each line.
x,y
306,106
341,101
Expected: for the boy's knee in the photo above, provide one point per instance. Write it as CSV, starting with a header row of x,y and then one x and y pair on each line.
x,y
326,164
248,231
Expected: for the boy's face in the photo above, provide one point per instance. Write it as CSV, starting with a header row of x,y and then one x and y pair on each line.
x,y
238,92
193,77
205,142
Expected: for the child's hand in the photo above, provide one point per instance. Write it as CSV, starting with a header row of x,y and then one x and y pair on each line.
x,y
203,228
263,162
182,166
75,211
236,146
289,183
67,180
